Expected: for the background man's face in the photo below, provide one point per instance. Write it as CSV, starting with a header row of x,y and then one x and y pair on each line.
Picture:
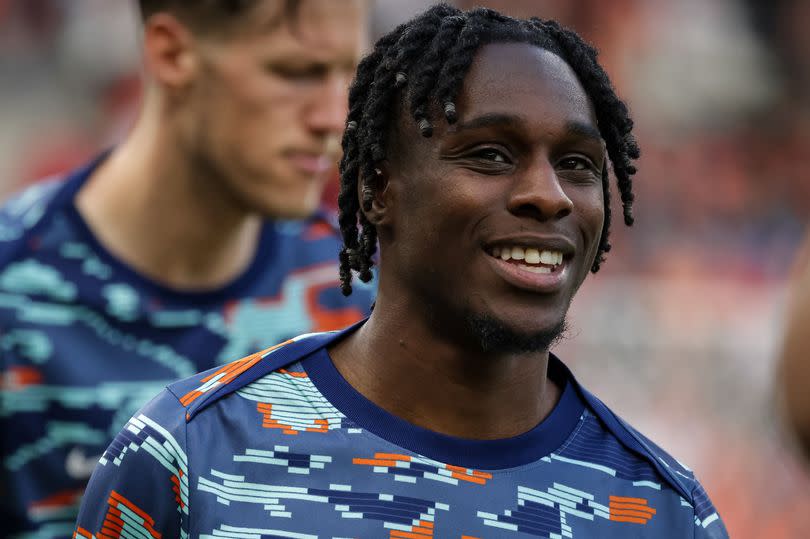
x,y
270,104
519,172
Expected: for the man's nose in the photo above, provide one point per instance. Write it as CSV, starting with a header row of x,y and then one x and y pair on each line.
x,y
537,193
329,106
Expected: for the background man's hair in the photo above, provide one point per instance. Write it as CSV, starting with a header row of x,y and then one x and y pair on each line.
x,y
206,15
429,57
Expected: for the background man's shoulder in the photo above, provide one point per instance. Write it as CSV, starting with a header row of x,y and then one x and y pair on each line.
x,y
25,210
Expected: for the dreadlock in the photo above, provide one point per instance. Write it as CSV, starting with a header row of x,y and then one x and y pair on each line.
x,y
429,56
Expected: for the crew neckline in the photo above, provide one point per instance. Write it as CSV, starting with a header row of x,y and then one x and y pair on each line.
x,y
265,248
504,453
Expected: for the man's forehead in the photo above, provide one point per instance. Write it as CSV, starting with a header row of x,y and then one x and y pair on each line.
x,y
517,78
316,32
516,68
307,20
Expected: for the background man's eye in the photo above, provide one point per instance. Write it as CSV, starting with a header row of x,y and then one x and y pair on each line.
x,y
299,73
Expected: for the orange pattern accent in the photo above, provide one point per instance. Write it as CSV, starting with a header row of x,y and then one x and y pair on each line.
x,y
113,523
326,319
16,378
319,230
374,462
472,476
293,374
176,489
392,456
61,499
420,531
81,532
457,472
230,371
633,510
266,409
323,318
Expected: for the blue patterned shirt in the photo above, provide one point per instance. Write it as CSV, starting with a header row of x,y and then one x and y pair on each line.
x,y
85,341
279,445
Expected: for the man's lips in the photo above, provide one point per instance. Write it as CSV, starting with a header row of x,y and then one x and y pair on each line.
x,y
531,262
311,163
541,278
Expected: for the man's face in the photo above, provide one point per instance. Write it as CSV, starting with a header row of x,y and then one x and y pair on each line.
x,y
494,222
270,102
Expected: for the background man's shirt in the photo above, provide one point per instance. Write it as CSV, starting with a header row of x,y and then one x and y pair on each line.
x,y
279,445
85,341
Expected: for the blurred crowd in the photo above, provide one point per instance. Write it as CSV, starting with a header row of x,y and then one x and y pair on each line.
x,y
718,91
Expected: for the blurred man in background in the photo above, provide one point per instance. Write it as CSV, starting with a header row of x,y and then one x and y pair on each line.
x,y
192,241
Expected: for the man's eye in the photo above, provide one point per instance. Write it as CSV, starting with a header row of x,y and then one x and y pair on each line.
x,y
576,163
491,154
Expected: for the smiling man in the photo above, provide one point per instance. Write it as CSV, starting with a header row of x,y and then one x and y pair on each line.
x,y
192,242
476,152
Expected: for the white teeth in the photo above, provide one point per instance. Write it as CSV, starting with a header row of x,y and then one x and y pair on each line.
x,y
532,256
547,257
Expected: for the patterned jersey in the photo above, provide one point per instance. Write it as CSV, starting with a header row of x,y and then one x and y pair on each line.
x,y
85,341
279,445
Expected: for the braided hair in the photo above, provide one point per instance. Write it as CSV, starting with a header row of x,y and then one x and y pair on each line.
x,y
429,57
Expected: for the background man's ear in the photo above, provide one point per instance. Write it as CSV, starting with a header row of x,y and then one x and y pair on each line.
x,y
374,195
169,54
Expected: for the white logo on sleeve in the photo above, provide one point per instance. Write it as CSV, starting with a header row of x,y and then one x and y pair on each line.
x,y
78,465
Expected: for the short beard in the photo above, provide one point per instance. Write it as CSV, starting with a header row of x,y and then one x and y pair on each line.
x,y
495,337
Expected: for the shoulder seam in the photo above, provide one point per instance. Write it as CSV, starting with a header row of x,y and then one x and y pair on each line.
x,y
170,390
690,489
190,475
228,373
187,450
254,367
637,444
47,216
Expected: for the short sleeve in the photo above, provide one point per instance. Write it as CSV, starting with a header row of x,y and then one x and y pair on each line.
x,y
140,485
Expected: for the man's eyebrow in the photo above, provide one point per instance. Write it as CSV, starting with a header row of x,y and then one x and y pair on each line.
x,y
490,120
584,129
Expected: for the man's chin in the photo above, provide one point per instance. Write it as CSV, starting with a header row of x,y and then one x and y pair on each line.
x,y
299,207
291,212
503,337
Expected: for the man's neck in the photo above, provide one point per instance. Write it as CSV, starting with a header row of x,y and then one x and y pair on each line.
x,y
148,206
401,364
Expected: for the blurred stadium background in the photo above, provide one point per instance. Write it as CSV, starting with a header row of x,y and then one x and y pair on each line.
x,y
679,331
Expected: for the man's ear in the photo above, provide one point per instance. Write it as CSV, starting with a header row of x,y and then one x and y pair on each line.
x,y
375,195
169,53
